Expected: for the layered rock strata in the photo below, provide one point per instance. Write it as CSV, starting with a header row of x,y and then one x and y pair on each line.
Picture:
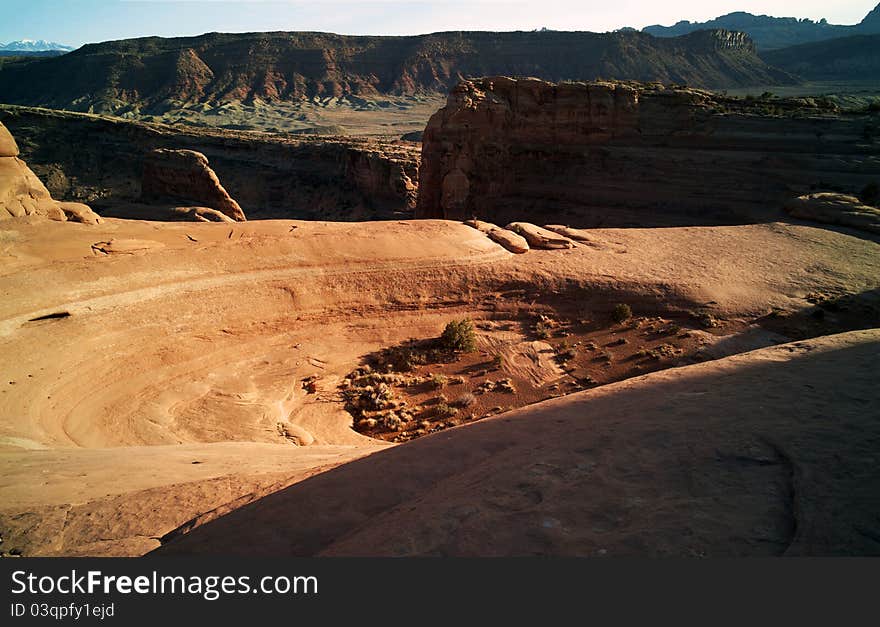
x,y
628,154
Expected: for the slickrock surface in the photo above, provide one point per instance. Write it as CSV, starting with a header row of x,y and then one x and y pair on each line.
x,y
185,175
615,154
155,381
772,452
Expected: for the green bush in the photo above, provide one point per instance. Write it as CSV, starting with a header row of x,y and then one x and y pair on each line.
x,y
621,313
439,381
459,336
442,410
542,330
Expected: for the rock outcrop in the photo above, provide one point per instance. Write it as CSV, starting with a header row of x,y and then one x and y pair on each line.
x,y
166,213
835,209
508,239
538,237
630,154
185,175
23,194
100,161
578,235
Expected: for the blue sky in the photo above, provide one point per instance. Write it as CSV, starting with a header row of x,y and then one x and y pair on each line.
x,y
76,22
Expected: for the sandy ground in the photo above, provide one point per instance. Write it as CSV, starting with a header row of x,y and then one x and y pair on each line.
x,y
190,343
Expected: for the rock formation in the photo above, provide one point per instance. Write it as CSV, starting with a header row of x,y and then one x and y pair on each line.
x,y
538,237
836,209
615,154
23,194
293,67
185,175
381,178
508,239
101,161
578,235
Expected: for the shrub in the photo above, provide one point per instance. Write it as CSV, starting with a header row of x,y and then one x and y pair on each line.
x,y
439,381
404,358
542,331
621,313
442,410
459,336
465,400
497,361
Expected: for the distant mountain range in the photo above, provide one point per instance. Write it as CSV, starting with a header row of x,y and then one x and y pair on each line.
x,y
155,73
30,45
844,58
770,33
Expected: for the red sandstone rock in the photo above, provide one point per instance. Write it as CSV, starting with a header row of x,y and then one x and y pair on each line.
x,y
538,237
630,154
23,194
508,239
185,175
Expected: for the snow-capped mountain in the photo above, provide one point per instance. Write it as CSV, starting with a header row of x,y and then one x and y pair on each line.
x,y
30,45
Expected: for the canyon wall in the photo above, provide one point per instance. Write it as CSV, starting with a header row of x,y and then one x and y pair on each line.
x,y
100,161
629,154
151,74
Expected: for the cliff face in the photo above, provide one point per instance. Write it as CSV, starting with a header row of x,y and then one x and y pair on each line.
x,y
152,74
590,154
101,161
